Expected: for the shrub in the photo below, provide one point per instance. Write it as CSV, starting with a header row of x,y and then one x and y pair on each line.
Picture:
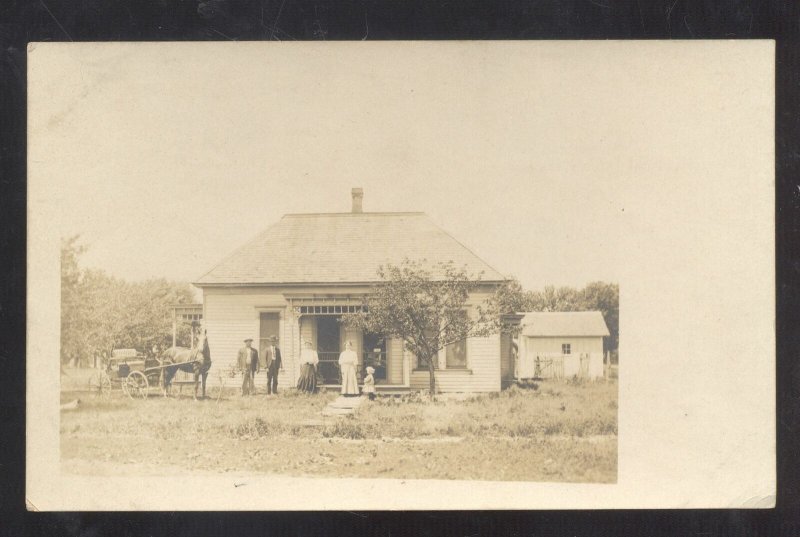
x,y
251,428
554,427
345,428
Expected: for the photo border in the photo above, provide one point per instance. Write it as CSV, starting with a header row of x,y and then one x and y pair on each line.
x,y
414,20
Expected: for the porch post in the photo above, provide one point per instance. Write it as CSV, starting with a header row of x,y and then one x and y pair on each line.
x,y
406,365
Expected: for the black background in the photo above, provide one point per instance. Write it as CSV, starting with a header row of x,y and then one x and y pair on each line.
x,y
220,20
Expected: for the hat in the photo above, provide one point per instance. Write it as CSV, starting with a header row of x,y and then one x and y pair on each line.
x,y
273,338
248,339
370,370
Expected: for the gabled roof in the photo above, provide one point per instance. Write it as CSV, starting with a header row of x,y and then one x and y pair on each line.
x,y
341,248
564,323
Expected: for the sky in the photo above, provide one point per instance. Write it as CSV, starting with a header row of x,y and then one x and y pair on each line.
x,y
167,157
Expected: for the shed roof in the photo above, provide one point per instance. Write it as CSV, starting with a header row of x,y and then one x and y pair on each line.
x,y
341,248
564,323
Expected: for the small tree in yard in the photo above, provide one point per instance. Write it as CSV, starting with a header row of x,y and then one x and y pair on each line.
x,y
428,308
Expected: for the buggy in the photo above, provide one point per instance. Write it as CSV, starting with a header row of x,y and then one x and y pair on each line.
x,y
132,372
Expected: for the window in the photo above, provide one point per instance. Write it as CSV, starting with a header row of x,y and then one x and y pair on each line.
x,y
456,353
422,363
565,348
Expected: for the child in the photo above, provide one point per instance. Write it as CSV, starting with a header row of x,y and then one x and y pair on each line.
x,y
369,383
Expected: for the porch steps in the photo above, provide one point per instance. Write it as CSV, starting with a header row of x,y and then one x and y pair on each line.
x,y
342,406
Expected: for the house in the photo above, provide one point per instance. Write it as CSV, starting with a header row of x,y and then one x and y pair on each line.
x,y
561,345
299,276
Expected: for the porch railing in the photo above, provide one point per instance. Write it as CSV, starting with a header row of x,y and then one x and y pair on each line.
x,y
328,368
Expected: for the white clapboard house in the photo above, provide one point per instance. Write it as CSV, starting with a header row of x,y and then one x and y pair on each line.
x,y
561,345
299,276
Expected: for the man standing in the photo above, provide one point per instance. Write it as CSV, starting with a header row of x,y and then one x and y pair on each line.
x,y
273,364
248,364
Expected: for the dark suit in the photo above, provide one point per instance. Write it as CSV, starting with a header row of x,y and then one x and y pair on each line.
x,y
272,356
249,369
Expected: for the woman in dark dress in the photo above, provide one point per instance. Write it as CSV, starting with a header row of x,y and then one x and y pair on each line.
x,y
308,369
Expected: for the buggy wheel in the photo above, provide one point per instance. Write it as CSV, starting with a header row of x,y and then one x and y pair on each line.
x,y
100,384
136,385
105,385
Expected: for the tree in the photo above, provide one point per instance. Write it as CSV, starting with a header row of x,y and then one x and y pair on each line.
x,y
512,298
149,315
428,309
100,313
604,297
73,322
556,299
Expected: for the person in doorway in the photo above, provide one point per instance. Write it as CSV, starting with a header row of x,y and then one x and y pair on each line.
x,y
273,365
308,369
369,383
248,365
347,365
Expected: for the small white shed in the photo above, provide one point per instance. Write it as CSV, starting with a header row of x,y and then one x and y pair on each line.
x,y
561,345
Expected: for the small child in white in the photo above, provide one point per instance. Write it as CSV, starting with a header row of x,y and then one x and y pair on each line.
x,y
369,383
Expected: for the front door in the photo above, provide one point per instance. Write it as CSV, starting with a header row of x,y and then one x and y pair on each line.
x,y
328,337
269,324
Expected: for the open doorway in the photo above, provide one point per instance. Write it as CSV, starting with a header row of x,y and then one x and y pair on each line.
x,y
375,356
328,348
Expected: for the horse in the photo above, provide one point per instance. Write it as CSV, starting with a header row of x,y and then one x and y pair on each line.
x,y
196,361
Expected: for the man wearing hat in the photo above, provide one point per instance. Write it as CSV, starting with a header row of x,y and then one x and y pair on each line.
x,y
248,364
273,364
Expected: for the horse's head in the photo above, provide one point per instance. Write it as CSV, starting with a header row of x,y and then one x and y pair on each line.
x,y
202,346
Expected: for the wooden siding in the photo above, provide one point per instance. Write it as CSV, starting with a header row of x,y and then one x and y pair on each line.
x,y
308,330
552,345
394,353
482,374
232,317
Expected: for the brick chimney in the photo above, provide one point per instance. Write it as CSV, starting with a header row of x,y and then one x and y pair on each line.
x,y
358,196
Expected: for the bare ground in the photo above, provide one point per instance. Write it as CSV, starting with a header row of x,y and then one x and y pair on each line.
x,y
558,432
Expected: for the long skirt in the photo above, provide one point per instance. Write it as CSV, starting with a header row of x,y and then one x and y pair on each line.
x,y
308,378
349,381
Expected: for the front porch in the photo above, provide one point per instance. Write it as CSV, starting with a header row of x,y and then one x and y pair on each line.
x,y
319,322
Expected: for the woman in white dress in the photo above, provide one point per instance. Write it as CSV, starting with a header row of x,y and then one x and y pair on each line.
x,y
347,365
308,369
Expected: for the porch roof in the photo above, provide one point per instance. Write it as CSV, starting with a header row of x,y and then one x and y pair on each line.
x,y
341,248
564,323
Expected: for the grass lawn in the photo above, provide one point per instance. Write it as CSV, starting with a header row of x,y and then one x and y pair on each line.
x,y
557,432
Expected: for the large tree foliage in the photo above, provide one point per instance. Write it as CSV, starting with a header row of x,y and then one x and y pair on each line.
x,y
596,296
431,307
73,317
100,313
